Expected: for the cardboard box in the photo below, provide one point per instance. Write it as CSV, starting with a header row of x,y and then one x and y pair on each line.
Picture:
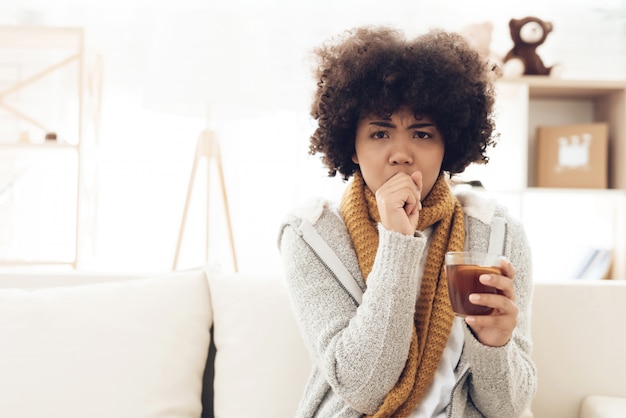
x,y
572,156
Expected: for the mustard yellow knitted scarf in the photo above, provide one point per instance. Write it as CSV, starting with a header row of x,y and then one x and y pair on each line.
x,y
433,315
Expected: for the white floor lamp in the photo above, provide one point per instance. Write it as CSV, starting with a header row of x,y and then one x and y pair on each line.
x,y
208,148
184,78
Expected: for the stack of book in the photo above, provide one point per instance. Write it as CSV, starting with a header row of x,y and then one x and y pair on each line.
x,y
596,265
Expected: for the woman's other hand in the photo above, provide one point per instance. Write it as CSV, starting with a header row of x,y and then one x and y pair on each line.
x,y
496,330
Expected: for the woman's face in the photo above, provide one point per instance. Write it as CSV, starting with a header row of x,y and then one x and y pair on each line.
x,y
404,142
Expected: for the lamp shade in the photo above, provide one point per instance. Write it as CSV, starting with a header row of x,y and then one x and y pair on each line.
x,y
201,59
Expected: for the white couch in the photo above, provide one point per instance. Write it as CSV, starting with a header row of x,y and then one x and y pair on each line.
x,y
79,345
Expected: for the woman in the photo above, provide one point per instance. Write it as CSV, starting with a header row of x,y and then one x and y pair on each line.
x,y
399,117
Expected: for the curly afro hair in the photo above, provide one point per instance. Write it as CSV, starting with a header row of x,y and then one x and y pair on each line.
x,y
375,70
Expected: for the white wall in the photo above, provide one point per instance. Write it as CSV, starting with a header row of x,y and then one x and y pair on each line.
x,y
254,54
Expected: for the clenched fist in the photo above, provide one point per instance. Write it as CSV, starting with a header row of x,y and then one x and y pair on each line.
x,y
399,202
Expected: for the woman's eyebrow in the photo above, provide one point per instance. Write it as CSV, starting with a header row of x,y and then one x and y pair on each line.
x,y
382,123
386,124
421,125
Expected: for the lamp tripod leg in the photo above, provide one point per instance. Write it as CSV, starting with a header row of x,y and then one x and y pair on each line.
x,y
183,222
208,148
220,172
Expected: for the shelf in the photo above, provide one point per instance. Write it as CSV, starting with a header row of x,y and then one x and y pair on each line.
x,y
40,37
41,145
540,87
562,224
575,191
50,84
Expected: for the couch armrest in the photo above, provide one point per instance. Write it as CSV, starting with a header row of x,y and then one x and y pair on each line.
x,y
596,406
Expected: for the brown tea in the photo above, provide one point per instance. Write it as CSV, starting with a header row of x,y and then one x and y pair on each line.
x,y
463,281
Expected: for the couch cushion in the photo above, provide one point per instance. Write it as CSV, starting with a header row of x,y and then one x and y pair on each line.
x,y
595,406
261,363
131,348
578,344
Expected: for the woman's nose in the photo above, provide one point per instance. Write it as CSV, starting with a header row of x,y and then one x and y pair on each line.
x,y
401,155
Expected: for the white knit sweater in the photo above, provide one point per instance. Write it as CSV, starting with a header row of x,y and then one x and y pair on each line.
x,y
359,352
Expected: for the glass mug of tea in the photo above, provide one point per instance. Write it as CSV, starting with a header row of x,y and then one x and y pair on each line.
x,y
463,270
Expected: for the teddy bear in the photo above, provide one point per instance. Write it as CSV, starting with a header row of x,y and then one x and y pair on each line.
x,y
479,36
527,34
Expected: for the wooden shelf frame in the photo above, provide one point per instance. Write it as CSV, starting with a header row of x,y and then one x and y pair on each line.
x,y
71,40
531,101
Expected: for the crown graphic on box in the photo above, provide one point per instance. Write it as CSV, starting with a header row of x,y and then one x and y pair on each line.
x,y
574,152
574,155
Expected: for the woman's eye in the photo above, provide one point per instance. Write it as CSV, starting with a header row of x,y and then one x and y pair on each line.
x,y
421,135
380,135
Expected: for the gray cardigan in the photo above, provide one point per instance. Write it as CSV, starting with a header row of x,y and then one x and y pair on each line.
x,y
359,352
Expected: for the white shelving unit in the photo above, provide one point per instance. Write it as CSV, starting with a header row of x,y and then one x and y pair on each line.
x,y
48,84
562,224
